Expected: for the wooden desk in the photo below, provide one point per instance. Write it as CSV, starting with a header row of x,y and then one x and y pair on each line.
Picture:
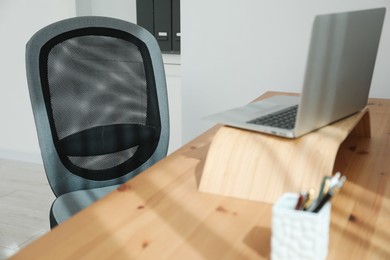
x,y
161,215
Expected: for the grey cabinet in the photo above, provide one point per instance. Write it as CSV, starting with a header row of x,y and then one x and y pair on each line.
x,y
162,19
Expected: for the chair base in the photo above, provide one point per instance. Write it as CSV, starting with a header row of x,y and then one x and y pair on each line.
x,y
249,165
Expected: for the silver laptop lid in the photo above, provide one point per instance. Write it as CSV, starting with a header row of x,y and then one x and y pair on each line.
x,y
339,67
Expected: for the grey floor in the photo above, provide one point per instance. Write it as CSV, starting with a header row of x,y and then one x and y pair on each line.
x,y
25,200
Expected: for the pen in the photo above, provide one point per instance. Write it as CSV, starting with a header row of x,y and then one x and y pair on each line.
x,y
322,202
334,180
301,200
324,187
310,197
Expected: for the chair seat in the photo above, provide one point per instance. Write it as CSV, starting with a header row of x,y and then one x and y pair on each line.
x,y
70,203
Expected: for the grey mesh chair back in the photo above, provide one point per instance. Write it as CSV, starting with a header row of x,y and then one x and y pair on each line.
x,y
98,92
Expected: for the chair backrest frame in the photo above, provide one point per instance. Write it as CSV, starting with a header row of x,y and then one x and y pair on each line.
x,y
60,178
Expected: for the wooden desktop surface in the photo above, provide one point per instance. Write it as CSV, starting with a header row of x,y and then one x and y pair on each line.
x,y
160,214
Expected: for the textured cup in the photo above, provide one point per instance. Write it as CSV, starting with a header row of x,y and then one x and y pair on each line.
x,y
299,234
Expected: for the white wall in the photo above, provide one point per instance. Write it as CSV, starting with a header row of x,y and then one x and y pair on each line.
x,y
233,51
121,9
19,20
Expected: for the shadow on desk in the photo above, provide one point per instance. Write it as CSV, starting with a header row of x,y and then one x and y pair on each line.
x,y
161,217
261,234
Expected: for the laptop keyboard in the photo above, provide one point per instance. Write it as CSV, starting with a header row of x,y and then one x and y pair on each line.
x,y
284,119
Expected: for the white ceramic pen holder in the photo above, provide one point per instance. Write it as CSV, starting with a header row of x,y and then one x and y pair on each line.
x,y
299,234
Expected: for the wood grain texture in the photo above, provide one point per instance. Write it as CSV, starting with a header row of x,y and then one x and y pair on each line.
x,y
249,165
161,215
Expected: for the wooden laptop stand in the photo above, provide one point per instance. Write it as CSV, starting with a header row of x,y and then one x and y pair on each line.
x,y
262,167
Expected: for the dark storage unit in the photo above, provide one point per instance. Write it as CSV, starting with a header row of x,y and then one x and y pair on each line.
x,y
162,19
176,25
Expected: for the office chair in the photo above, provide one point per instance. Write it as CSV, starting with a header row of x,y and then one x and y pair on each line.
x,y
98,93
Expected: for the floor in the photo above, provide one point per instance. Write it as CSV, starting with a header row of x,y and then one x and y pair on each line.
x,y
25,200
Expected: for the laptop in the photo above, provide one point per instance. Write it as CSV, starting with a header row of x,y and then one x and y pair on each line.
x,y
337,80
